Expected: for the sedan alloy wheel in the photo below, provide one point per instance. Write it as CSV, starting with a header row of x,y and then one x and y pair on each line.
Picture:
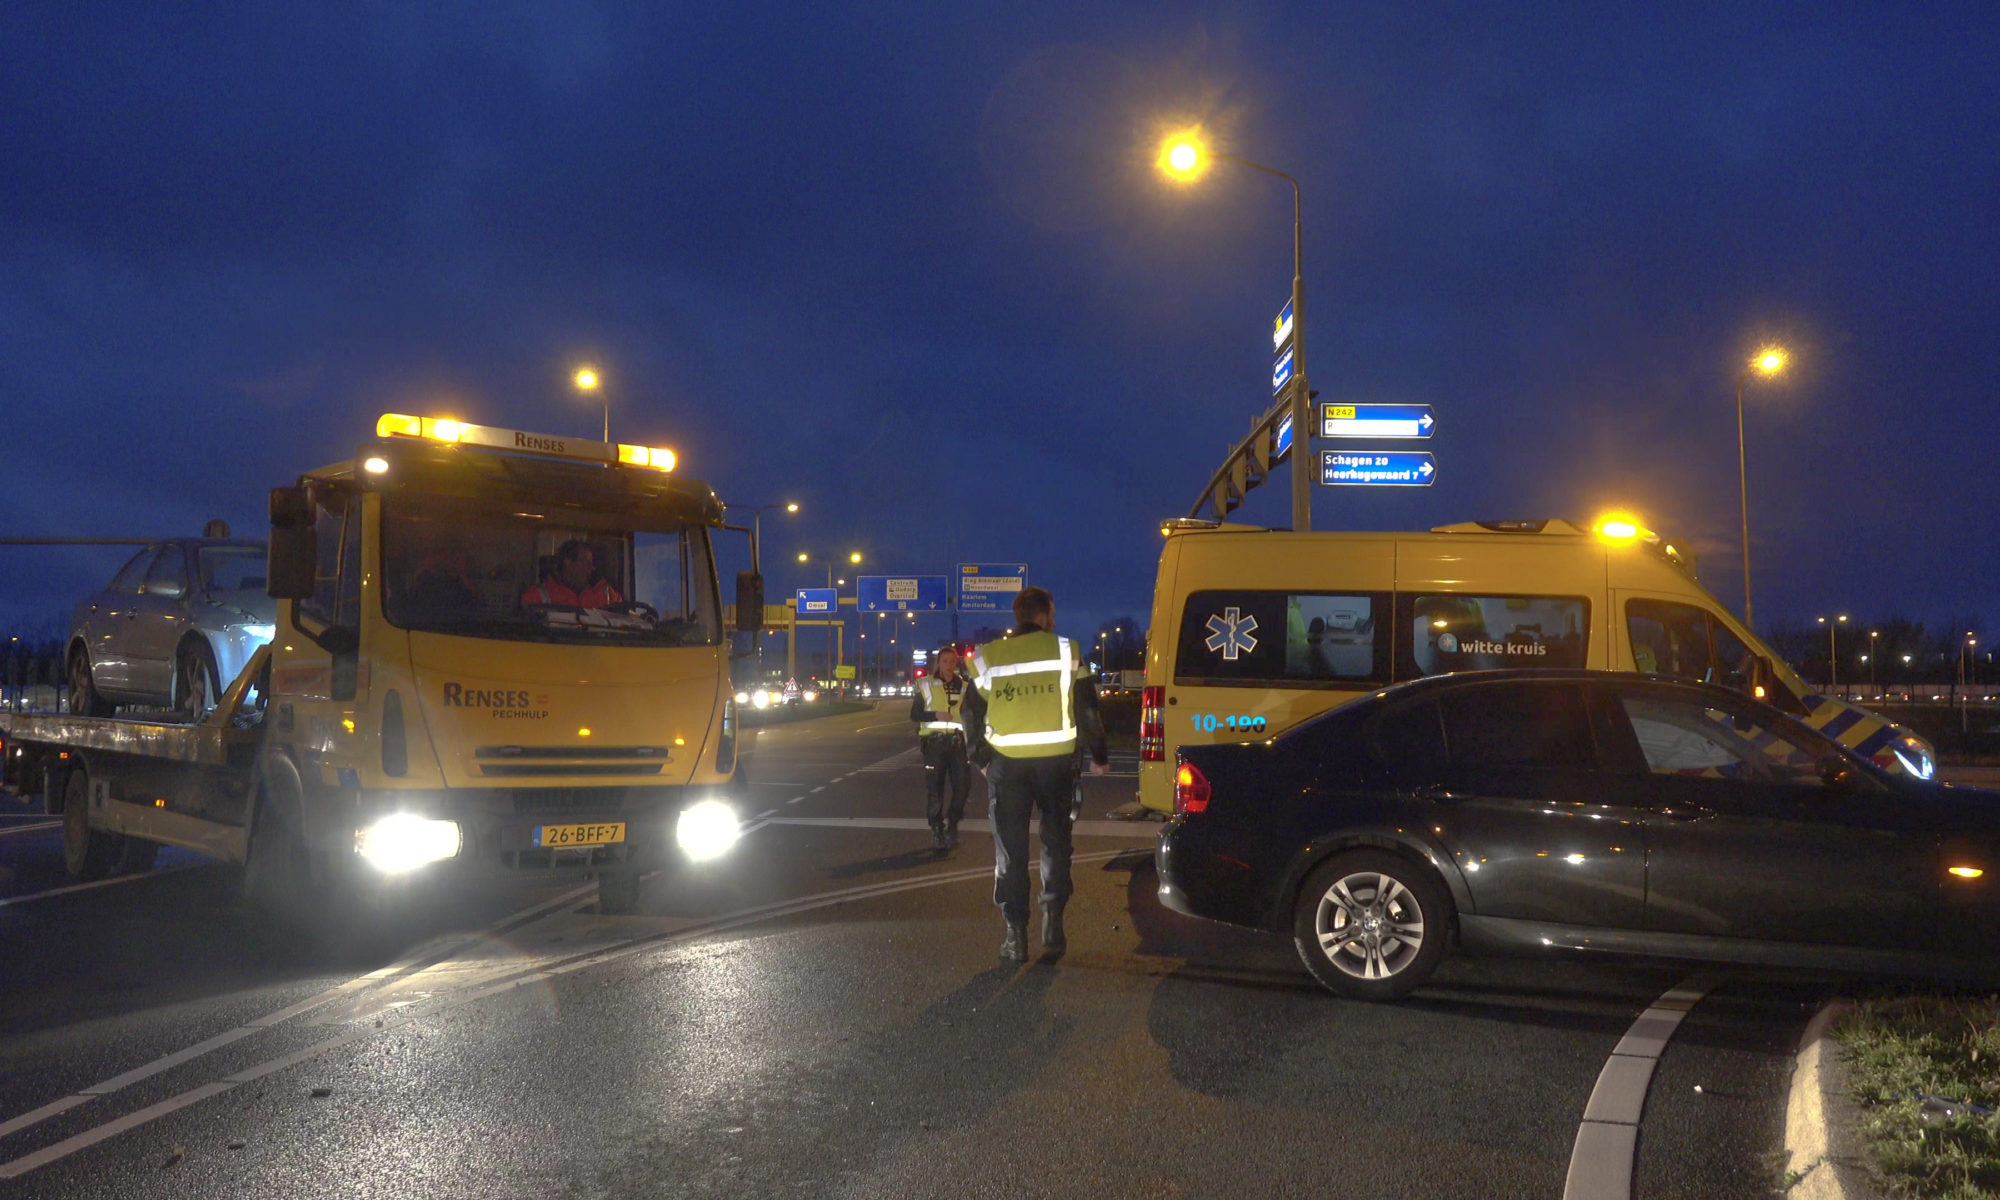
x,y
1371,924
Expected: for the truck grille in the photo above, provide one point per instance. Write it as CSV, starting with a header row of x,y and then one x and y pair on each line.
x,y
537,801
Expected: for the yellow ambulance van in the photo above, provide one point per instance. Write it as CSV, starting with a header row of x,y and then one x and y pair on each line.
x,y
1255,630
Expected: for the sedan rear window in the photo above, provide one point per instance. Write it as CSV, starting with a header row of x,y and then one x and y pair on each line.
x,y
1529,726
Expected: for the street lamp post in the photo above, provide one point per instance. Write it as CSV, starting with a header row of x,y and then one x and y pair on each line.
x,y
1832,654
588,381
1769,361
756,551
1184,158
854,557
1872,655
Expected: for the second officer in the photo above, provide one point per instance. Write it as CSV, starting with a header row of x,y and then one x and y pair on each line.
x,y
941,735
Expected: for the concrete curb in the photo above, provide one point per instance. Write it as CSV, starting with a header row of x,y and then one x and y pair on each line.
x,y
1822,1142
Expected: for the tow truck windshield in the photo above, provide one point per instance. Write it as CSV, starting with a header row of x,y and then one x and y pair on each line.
x,y
467,568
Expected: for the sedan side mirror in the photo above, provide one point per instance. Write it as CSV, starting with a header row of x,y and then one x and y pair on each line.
x,y
1836,776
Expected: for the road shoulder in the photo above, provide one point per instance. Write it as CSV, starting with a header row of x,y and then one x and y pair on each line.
x,y
1826,1159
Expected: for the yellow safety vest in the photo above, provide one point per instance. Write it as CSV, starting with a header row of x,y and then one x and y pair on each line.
x,y
938,699
1026,681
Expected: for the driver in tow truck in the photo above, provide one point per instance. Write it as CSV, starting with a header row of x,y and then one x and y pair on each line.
x,y
575,581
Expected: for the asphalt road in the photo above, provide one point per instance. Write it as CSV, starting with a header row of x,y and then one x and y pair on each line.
x,y
824,1014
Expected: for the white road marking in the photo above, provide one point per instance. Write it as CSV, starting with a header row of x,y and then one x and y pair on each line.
x,y
92,1136
795,799
101,883
1600,1163
10,830
409,962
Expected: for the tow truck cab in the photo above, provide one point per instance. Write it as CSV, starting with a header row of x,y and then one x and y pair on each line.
x,y
1255,630
441,708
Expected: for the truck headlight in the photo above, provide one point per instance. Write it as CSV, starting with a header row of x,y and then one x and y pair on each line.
x,y
402,842
707,830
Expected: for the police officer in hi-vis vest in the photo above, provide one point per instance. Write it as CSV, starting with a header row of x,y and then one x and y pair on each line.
x,y
1029,711
935,709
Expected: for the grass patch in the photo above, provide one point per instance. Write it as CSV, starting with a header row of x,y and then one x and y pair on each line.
x,y
1900,1050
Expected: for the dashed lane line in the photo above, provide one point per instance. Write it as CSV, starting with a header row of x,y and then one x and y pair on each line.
x,y
529,975
1600,1164
95,884
37,827
413,961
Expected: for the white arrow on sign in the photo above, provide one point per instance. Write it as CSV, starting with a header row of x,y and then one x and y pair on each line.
x,y
1425,468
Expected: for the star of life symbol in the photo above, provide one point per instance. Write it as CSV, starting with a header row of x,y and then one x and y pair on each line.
x,y
1232,633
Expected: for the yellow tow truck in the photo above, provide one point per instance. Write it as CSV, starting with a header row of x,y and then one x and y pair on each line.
x,y
497,653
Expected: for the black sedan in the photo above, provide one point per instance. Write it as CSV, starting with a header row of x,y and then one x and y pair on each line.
x,y
1581,810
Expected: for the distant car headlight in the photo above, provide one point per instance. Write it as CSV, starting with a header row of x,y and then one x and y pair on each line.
x,y
402,842
742,698
760,698
707,830
809,697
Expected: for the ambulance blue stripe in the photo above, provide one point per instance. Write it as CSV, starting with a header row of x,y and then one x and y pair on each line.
x,y
1875,741
1842,723
1813,701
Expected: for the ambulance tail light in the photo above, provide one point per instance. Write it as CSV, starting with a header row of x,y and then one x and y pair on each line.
x,y
1153,725
1191,791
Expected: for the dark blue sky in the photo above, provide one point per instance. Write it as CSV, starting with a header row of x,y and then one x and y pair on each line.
x,y
910,265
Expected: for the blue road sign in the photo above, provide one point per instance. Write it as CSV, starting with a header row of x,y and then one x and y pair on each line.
x,y
1281,373
1284,445
990,587
1376,420
818,601
1377,468
901,593
1281,329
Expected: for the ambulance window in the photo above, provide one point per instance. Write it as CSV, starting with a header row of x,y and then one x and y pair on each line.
x,y
1478,633
1240,637
1686,642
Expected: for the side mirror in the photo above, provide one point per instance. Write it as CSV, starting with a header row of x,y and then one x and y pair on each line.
x,y
172,589
292,559
749,602
1762,679
1835,775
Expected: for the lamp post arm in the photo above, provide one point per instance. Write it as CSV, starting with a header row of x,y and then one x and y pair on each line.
x,y
1301,389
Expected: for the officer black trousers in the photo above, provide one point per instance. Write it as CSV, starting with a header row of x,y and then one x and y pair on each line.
x,y
1021,789
945,769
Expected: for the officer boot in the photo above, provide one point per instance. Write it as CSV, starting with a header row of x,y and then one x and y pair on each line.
x,y
1015,948
951,835
939,841
1052,930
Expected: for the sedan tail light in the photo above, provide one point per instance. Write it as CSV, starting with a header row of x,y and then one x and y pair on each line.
x,y
1152,725
1190,789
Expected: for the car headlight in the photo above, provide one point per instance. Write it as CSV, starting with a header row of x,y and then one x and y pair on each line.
x,y
742,698
1915,755
707,830
760,698
809,697
402,842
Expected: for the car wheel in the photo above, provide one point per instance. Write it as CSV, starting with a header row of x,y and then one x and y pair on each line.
x,y
1371,925
83,698
87,853
195,683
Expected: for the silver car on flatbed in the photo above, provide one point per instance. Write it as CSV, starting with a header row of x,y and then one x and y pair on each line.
x,y
172,628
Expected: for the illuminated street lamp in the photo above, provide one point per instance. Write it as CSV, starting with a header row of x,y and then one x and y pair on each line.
x,y
1870,657
1832,672
587,381
1184,158
1768,362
